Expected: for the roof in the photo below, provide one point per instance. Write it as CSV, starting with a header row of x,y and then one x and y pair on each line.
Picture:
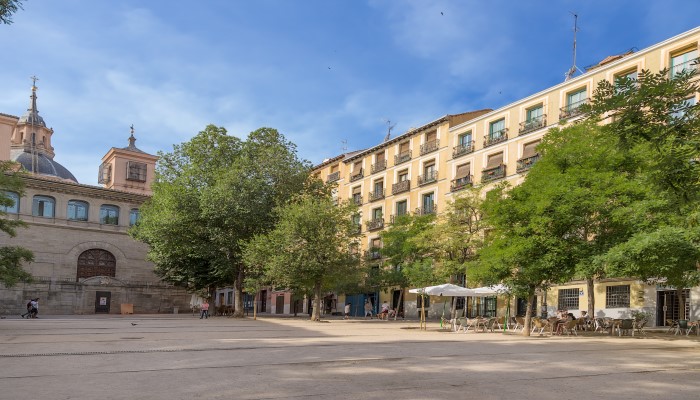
x,y
43,166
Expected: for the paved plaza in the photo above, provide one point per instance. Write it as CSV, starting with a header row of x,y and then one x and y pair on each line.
x,y
183,357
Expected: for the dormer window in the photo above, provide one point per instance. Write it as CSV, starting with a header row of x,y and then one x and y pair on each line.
x,y
135,171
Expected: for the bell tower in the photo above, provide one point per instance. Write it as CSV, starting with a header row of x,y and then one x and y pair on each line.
x,y
128,168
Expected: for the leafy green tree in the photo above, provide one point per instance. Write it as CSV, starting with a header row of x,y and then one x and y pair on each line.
x,y
7,8
312,248
11,257
213,194
656,121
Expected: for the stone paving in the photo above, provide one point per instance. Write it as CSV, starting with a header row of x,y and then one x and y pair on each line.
x,y
183,357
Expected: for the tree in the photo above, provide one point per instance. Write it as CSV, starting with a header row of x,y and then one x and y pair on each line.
x,y
312,248
213,194
11,257
7,8
656,118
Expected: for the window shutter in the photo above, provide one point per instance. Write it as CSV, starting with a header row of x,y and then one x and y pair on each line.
x,y
403,148
380,157
357,166
356,190
494,160
462,171
431,136
529,149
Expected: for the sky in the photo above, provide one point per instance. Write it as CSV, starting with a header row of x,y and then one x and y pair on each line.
x,y
330,75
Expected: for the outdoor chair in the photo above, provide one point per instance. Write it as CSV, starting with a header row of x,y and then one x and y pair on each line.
x,y
488,324
501,322
672,325
626,325
461,324
569,326
519,323
639,326
466,323
600,325
682,327
540,324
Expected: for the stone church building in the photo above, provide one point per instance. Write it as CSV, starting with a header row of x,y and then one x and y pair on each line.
x,y
84,260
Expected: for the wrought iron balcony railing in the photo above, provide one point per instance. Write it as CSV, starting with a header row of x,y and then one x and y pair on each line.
x,y
373,254
377,223
572,110
494,173
461,183
533,124
430,146
394,217
357,175
379,166
427,178
426,210
376,195
402,158
332,177
496,137
462,149
525,163
357,199
401,187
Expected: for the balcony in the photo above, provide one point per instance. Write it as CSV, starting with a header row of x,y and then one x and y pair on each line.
x,y
376,195
572,109
429,147
401,187
496,137
333,176
402,158
427,210
394,217
358,228
358,175
427,178
491,174
462,149
377,223
461,183
526,163
379,166
533,124
357,199
373,254
687,66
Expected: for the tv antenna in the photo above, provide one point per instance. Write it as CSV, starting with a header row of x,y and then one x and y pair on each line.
x,y
570,73
345,145
389,128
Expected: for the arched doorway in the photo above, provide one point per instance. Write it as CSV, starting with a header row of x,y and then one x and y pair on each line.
x,y
96,262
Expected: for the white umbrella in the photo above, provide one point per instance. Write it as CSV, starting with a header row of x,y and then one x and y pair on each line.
x,y
446,289
490,290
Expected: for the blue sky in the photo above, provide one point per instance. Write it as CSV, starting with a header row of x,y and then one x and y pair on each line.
x,y
322,72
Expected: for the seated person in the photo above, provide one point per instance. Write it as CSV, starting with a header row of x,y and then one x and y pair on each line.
x,y
385,311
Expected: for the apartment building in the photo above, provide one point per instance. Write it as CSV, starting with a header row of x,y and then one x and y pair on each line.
x,y
422,169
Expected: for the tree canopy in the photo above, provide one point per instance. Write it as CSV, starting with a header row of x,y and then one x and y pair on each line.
x,y
12,258
7,8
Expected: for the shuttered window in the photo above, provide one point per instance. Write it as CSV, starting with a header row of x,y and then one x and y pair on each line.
x,y
494,160
431,136
403,148
380,157
529,150
462,171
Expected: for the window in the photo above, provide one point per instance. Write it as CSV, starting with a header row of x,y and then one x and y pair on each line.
x,y
357,195
134,215
497,129
568,299
403,176
136,171
683,61
77,210
680,110
465,139
109,215
377,213
12,207
534,114
96,262
428,203
379,188
575,100
617,296
43,206
402,207
420,299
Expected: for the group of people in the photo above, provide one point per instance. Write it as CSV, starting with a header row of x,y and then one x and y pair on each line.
x,y
32,309
385,313
563,316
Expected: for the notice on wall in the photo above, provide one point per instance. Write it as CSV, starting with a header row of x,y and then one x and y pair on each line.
x,y
103,301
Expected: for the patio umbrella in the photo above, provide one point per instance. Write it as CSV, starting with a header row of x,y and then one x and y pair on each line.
x,y
490,290
446,289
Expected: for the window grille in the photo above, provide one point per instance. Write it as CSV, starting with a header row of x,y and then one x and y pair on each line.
x,y
617,296
136,171
568,299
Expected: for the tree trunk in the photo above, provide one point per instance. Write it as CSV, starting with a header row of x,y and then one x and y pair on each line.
x,y
316,314
255,306
528,314
681,302
591,297
238,309
398,305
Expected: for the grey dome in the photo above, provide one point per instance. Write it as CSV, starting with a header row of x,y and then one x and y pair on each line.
x,y
32,118
44,165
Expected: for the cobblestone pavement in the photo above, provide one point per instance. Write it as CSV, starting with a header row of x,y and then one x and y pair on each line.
x,y
183,357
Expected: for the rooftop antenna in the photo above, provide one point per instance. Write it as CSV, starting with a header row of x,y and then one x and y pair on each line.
x,y
570,73
35,161
345,145
389,128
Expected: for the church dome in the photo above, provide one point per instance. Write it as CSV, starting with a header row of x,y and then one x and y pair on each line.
x,y
43,165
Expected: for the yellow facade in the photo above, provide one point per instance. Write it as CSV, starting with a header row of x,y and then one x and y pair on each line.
x,y
502,145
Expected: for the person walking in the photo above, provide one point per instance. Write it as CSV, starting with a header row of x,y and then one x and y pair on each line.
x,y
347,311
35,308
205,310
368,309
29,309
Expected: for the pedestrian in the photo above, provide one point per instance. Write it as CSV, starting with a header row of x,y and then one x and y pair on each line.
x,y
35,308
205,310
29,309
368,309
347,311
385,311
